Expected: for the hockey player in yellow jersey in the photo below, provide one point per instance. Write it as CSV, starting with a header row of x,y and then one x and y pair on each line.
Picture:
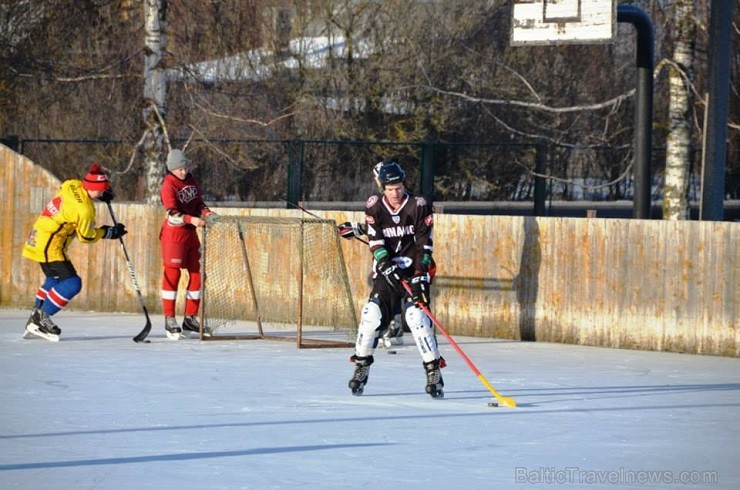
x,y
69,215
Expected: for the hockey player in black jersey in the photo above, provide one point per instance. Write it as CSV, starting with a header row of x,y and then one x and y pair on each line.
x,y
399,227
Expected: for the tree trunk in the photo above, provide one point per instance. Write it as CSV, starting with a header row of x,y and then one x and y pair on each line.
x,y
679,142
155,92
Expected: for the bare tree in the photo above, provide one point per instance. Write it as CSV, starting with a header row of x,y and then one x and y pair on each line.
x,y
397,70
155,92
680,113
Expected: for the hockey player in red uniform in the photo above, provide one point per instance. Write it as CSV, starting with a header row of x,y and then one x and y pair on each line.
x,y
70,213
399,227
186,211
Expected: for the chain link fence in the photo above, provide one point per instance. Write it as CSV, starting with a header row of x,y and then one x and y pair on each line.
x,y
339,173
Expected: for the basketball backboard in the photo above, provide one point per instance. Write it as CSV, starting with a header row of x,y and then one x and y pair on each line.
x,y
562,21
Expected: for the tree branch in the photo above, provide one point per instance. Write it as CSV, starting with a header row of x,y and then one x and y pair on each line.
x,y
536,106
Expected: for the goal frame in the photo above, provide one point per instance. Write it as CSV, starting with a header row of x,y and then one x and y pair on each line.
x,y
301,339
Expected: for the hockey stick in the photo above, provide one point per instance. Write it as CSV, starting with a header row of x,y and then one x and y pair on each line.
x,y
298,206
147,328
504,400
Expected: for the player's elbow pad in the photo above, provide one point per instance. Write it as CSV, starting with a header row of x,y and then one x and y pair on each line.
x,y
176,219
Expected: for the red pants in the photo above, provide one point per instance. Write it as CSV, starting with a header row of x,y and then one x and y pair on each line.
x,y
180,252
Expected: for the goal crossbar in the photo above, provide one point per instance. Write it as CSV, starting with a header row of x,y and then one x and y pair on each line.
x,y
275,278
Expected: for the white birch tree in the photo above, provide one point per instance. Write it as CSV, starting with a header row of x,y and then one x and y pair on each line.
x,y
155,92
679,140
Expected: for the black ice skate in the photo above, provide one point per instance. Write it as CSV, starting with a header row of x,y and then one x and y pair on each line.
x,y
393,335
40,325
190,324
34,317
171,328
435,383
362,371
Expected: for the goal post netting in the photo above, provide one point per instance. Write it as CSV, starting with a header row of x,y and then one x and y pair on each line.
x,y
278,279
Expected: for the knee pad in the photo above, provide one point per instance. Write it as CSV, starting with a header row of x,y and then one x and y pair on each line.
x,y
370,317
367,332
416,319
421,329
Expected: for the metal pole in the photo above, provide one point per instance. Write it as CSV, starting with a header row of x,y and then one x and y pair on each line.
x,y
715,151
428,166
643,106
540,184
295,172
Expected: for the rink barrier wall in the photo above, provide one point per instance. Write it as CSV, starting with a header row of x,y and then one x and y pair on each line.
x,y
624,283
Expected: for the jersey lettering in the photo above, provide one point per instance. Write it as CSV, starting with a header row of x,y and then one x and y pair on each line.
x,y
31,239
187,194
76,193
398,231
406,232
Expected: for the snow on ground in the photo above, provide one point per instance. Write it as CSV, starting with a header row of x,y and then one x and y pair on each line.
x,y
97,410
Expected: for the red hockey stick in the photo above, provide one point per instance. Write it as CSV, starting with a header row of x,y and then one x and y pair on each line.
x,y
503,400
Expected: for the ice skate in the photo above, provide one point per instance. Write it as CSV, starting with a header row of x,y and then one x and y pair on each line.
x,y
171,328
26,334
40,325
35,317
190,324
362,371
435,383
393,336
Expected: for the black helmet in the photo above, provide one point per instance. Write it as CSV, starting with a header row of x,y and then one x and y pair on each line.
x,y
391,173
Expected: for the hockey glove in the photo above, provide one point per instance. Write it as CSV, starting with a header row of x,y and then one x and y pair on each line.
x,y
211,217
107,196
389,271
113,232
350,230
420,289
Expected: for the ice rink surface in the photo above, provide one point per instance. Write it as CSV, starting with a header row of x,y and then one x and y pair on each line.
x,y
97,410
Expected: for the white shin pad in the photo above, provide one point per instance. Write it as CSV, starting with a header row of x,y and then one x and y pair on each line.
x,y
368,329
421,329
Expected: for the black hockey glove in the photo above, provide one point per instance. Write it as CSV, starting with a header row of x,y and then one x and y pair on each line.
x,y
113,232
350,230
420,289
389,271
107,196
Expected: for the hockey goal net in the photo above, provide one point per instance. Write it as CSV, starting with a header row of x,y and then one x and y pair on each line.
x,y
278,279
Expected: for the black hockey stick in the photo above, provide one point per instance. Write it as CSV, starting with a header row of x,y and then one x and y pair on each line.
x,y
298,206
147,328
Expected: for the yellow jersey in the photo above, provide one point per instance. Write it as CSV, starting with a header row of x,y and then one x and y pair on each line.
x,y
70,213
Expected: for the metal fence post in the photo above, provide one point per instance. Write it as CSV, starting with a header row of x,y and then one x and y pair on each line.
x,y
428,166
295,173
11,141
540,183
715,150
